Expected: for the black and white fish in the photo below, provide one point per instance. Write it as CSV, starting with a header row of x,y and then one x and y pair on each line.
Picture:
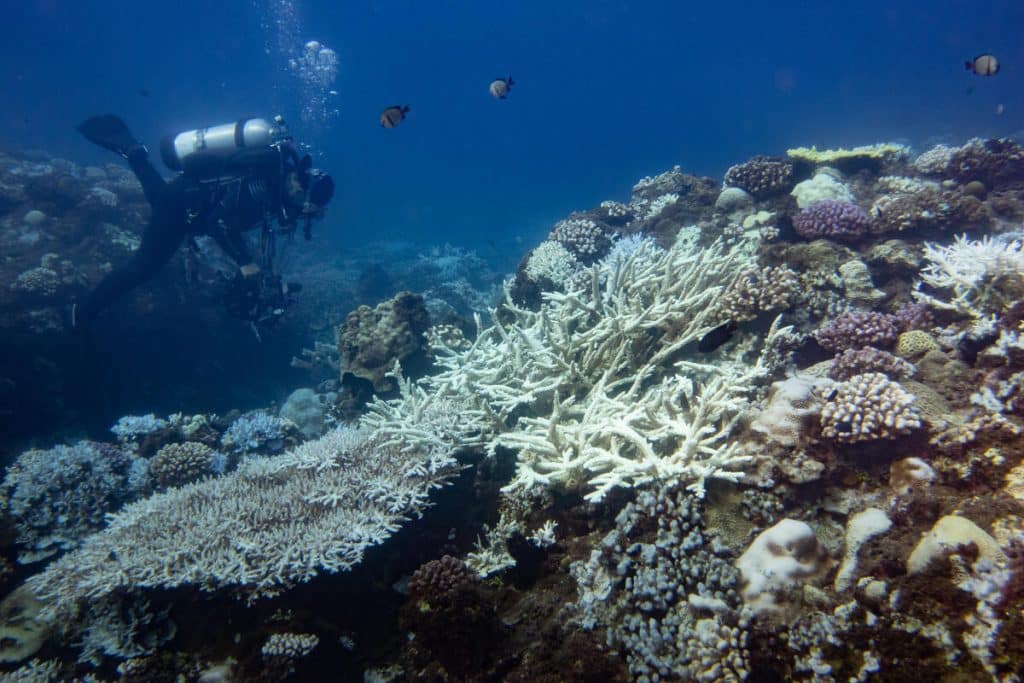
x,y
393,115
500,86
983,65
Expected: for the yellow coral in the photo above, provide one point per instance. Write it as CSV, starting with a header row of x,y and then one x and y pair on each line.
x,y
880,152
915,343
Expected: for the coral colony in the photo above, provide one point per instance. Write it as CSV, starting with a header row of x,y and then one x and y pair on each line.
x,y
832,490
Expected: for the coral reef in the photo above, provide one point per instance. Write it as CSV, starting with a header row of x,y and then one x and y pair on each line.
x,y
433,580
869,359
758,290
835,492
372,339
58,496
831,218
866,407
657,585
857,329
761,176
255,431
180,463
585,239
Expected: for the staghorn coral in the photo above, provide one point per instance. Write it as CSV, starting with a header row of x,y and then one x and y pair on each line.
x,y
856,329
983,276
761,176
833,219
180,463
867,407
757,290
601,426
869,359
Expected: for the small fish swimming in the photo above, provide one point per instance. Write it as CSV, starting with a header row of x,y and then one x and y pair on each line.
x,y
716,337
500,86
983,65
393,115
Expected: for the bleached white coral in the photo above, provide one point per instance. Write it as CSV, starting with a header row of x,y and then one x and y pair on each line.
x,y
270,524
585,362
660,204
491,554
935,161
544,535
974,272
552,261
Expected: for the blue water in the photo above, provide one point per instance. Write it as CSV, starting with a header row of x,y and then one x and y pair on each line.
x,y
606,92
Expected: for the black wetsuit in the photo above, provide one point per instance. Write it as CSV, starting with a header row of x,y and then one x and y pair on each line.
x,y
185,206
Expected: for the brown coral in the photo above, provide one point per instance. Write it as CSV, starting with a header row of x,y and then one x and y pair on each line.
x,y
758,290
180,463
372,339
992,162
761,176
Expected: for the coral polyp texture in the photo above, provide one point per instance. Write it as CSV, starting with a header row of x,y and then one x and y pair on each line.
x,y
869,406
761,176
857,329
833,219
584,238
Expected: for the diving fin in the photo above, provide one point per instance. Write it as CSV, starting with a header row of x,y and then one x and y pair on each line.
x,y
110,132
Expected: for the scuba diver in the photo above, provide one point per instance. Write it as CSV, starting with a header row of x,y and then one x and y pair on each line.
x,y
234,178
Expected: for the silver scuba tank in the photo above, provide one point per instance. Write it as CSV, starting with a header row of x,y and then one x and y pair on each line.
x,y
220,141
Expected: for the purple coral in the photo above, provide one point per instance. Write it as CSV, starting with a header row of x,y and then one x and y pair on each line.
x,y
869,359
914,317
832,218
853,330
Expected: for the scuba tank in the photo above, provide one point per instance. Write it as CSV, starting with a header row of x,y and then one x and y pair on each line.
x,y
196,150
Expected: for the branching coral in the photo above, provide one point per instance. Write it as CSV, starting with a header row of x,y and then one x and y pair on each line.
x,y
984,277
758,290
868,406
590,372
